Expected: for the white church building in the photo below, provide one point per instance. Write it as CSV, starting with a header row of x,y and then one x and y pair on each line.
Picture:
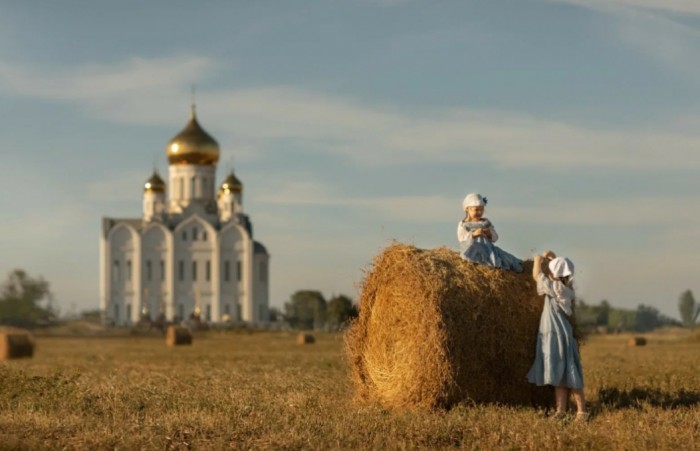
x,y
191,252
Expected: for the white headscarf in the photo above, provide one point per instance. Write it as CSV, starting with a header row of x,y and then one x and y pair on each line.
x,y
563,295
561,267
473,200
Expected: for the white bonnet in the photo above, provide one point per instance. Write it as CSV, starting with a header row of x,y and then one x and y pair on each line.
x,y
561,267
474,200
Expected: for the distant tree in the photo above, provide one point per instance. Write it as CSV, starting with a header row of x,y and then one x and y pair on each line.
x,y
275,314
647,318
340,310
689,309
620,319
25,301
91,315
306,310
603,313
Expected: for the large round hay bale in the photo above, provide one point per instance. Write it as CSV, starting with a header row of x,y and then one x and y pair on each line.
x,y
435,330
177,336
16,344
305,338
637,341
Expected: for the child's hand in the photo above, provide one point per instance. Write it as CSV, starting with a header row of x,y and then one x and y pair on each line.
x,y
548,255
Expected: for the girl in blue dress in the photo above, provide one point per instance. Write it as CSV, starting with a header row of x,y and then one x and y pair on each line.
x,y
557,360
476,236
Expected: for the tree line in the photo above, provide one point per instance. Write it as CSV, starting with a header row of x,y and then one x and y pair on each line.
x,y
309,310
27,301
642,319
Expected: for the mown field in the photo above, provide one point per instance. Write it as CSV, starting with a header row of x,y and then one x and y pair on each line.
x,y
261,390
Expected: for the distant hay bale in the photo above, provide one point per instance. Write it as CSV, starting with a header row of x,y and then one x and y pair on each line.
x,y
637,341
177,335
435,330
16,344
305,339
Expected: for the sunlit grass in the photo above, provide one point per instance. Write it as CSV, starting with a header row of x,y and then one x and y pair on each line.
x,y
262,390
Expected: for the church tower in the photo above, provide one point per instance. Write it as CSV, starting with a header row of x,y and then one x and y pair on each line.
x,y
192,252
192,157
230,201
154,198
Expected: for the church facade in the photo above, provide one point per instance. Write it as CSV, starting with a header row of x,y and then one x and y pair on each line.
x,y
191,252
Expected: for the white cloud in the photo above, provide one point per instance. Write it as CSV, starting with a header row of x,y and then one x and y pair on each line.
x,y
611,211
113,91
119,187
674,6
257,119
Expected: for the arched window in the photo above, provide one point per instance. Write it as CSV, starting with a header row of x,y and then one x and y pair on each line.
x,y
204,235
184,235
149,271
194,233
116,271
263,272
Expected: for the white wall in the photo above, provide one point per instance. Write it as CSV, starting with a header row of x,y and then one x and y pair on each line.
x,y
122,243
188,183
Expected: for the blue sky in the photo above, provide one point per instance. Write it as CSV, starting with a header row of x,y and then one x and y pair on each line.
x,y
352,123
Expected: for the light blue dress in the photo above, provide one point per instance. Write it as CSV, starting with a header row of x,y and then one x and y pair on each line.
x,y
482,250
557,360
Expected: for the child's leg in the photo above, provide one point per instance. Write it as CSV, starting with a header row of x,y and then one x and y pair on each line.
x,y
561,394
580,399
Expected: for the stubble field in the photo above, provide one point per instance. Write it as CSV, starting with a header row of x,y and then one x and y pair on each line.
x,y
261,390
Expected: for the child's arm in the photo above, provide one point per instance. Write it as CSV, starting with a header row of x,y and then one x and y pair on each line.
x,y
462,233
494,235
537,267
487,230
539,261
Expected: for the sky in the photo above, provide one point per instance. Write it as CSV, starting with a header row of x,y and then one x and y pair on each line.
x,y
358,122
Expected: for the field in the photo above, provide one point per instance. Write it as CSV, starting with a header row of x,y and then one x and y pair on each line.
x,y
261,390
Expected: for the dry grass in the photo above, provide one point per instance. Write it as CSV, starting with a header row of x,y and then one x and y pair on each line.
x,y
435,330
262,390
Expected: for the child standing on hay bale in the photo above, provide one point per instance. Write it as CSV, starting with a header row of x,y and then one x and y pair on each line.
x,y
476,236
557,360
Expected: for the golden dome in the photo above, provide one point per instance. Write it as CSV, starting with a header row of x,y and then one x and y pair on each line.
x,y
232,184
193,145
155,184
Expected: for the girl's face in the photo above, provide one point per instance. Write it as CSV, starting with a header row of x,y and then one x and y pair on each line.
x,y
475,212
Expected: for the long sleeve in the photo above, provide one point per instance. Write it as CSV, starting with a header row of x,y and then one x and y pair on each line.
x,y
463,235
494,235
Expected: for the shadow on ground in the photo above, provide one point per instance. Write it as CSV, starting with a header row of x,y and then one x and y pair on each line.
x,y
614,398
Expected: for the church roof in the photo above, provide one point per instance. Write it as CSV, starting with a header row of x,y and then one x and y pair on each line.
x,y
258,248
232,183
193,145
155,183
